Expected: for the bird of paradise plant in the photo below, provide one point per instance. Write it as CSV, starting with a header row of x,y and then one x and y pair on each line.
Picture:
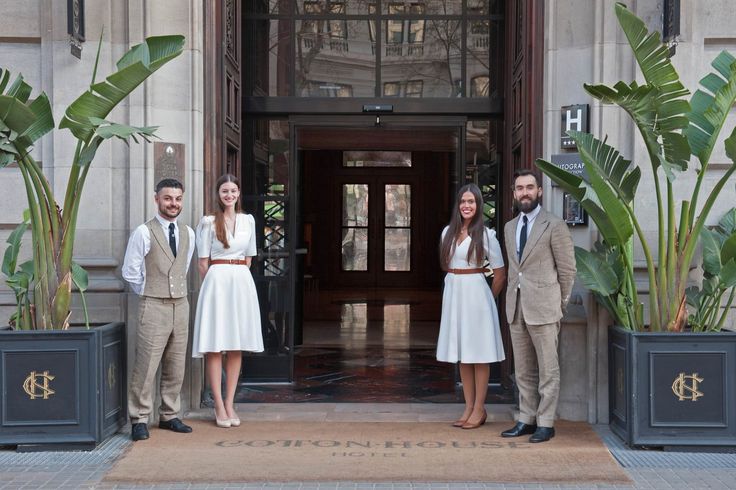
x,y
23,121
673,128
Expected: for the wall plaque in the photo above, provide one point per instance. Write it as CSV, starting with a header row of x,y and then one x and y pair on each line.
x,y
168,161
570,162
575,118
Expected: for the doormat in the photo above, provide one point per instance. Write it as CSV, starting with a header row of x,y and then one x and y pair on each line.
x,y
366,452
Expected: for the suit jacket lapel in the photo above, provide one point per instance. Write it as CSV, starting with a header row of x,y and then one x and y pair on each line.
x,y
540,225
511,241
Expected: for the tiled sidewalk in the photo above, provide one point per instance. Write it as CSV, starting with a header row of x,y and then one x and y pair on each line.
x,y
648,469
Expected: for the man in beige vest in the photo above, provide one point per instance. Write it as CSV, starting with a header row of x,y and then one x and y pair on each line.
x,y
541,261
156,264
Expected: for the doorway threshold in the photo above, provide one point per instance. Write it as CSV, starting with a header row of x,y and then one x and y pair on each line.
x,y
356,412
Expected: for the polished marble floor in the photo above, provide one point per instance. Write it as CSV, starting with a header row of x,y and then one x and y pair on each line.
x,y
369,349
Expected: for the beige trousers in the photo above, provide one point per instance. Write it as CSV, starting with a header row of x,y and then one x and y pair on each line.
x,y
537,369
163,329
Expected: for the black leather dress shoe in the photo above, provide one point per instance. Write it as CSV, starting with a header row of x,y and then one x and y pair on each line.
x,y
176,425
139,432
520,429
542,434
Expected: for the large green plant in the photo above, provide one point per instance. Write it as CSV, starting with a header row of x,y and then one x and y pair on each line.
x,y
23,121
672,129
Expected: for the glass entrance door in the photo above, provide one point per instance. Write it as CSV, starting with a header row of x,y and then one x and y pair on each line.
x,y
376,222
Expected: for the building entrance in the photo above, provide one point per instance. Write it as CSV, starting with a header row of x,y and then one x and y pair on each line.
x,y
349,280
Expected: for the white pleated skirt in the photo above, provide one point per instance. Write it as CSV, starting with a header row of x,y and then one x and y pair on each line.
x,y
228,316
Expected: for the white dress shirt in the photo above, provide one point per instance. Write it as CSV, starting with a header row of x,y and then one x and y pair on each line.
x,y
139,244
530,216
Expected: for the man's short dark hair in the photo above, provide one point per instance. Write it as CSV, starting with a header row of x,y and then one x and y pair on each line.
x,y
171,183
522,172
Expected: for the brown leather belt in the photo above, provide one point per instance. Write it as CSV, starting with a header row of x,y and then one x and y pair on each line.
x,y
228,261
477,270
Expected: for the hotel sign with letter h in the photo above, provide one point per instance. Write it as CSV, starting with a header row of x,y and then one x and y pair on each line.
x,y
575,118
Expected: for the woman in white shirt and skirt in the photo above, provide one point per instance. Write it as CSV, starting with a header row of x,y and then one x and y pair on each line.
x,y
469,328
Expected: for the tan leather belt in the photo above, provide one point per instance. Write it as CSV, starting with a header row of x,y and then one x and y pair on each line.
x,y
228,261
477,270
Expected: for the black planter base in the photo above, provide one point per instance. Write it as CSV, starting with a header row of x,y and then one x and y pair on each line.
x,y
673,389
62,389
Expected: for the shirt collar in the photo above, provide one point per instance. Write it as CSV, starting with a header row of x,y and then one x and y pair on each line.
x,y
165,223
533,213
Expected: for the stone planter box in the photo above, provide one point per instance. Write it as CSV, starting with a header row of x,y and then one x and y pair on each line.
x,y
672,389
62,389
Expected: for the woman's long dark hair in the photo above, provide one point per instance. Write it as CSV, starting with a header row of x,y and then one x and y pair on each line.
x,y
476,229
220,230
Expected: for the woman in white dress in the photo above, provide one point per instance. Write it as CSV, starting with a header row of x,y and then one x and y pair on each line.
x,y
469,329
228,317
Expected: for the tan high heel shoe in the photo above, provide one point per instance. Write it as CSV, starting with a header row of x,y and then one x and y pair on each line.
x,y
225,424
459,422
482,421
235,421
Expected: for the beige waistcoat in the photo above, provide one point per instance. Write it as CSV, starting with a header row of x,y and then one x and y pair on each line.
x,y
166,276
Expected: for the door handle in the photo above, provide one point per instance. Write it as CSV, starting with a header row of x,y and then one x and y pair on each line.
x,y
301,251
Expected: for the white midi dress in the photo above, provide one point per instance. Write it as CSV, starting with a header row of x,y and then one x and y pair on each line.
x,y
469,328
228,316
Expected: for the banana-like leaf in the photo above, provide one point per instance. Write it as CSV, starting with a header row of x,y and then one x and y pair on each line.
x,y
651,55
670,108
728,250
80,278
585,195
133,69
10,258
728,275
710,107
595,272
612,186
107,130
727,224
81,281
711,251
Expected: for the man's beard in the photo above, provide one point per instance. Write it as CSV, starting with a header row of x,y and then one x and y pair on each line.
x,y
170,213
527,206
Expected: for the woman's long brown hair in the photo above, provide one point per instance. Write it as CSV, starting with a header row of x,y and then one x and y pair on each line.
x,y
476,229
220,229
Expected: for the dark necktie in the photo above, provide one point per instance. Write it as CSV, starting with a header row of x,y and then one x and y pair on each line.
x,y
522,237
172,239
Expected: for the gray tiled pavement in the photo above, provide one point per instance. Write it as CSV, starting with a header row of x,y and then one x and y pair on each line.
x,y
647,469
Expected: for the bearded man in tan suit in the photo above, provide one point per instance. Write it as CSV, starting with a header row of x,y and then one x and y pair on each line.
x,y
541,262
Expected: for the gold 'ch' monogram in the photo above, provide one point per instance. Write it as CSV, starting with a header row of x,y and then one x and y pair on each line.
x,y
31,385
683,391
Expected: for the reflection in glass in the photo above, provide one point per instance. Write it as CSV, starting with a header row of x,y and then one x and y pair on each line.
x,y
269,48
271,157
483,42
320,7
482,163
397,231
424,57
376,159
355,205
397,205
354,249
334,58
268,7
434,7
397,249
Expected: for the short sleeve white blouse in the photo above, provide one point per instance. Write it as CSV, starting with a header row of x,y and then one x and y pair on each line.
x,y
242,242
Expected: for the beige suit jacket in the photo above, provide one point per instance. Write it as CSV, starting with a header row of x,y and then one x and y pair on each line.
x,y
546,272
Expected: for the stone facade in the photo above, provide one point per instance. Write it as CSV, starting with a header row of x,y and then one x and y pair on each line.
x,y
583,43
